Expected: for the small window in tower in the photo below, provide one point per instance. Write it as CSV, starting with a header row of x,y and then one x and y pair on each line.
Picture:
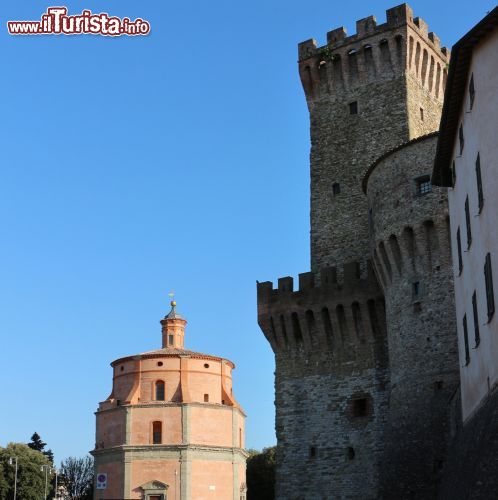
x,y
424,185
159,390
206,365
122,368
438,385
336,188
350,453
353,108
312,451
453,174
206,398
461,139
422,114
416,288
360,407
472,91
157,431
159,363
170,340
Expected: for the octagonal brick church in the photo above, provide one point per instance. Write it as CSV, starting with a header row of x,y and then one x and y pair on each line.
x,y
171,428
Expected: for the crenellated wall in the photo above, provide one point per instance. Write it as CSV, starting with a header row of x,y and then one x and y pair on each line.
x,y
331,354
394,75
411,252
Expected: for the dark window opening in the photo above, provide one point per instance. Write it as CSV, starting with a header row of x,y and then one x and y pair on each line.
x,y
424,185
170,340
477,336
122,368
438,385
459,247
453,174
350,453
157,431
159,390
336,188
312,452
472,91
416,288
422,114
480,194
206,398
159,363
466,340
438,465
353,108
417,307
296,328
461,139
206,365
360,407
488,278
467,222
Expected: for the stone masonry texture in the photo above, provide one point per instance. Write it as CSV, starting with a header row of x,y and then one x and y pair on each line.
x,y
412,257
361,389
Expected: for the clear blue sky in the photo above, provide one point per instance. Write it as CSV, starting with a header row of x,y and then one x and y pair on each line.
x,y
135,166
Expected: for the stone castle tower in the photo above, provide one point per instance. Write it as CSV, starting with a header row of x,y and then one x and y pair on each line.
x,y
356,387
171,428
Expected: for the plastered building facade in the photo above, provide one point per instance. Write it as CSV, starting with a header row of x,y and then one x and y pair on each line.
x,y
365,348
171,428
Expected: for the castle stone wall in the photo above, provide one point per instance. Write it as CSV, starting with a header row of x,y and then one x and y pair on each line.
x,y
330,347
366,93
412,256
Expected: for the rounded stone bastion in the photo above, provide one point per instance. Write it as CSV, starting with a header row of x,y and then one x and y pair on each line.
x,y
411,254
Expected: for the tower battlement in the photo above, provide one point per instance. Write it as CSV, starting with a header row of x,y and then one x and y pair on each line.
x,y
375,51
342,310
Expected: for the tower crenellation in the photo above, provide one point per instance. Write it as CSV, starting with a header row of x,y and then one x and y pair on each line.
x,y
403,43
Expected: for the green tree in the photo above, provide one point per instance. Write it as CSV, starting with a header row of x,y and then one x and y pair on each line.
x,y
37,444
76,474
261,474
30,476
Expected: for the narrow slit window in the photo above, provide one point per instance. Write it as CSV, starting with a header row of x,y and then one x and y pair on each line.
x,y
466,340
353,108
459,247
472,91
461,139
336,188
488,279
206,398
480,194
477,336
360,407
416,288
453,174
467,222
422,114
